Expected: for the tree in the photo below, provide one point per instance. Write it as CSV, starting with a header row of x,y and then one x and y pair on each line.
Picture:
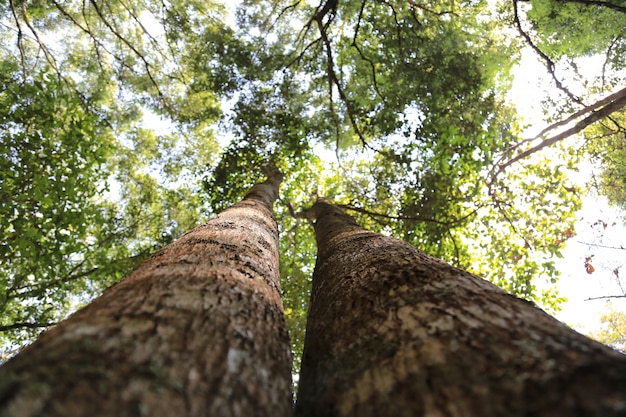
x,y
408,94
197,329
393,331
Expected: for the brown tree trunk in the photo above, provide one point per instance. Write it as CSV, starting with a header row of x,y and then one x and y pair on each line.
x,y
197,330
394,332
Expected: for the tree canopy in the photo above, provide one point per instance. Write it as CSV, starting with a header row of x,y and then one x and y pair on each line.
x,y
127,122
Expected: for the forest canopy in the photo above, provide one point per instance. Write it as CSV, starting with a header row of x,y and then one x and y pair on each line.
x,y
127,122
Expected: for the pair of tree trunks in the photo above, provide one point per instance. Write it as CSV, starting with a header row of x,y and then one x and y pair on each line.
x,y
198,330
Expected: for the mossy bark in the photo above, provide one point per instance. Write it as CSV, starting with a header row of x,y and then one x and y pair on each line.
x,y
197,330
394,332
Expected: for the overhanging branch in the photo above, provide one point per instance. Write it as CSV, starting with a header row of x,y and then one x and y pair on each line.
x,y
613,106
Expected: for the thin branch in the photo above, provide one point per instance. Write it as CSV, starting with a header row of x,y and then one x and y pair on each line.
x,y
609,50
410,218
604,297
280,15
334,80
20,40
126,42
42,286
549,63
601,246
301,54
153,41
498,205
87,30
592,107
616,105
25,325
362,55
49,57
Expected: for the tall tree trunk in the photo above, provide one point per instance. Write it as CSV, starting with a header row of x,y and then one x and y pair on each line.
x,y
197,330
394,332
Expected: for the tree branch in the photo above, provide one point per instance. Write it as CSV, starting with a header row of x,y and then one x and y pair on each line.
x,y
610,108
549,63
49,57
25,325
604,297
410,218
334,80
606,100
126,42
20,38
362,55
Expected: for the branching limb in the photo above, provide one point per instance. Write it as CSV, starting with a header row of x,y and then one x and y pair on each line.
x,y
139,55
606,100
609,50
49,57
334,81
595,116
356,46
280,14
602,246
20,40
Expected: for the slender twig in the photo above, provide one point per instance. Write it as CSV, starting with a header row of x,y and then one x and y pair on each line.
x,y
601,246
356,46
604,297
49,57
609,50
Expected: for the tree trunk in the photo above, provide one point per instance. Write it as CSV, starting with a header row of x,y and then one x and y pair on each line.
x,y
197,330
394,332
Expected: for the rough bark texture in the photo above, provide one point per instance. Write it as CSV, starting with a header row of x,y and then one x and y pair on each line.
x,y
394,332
197,330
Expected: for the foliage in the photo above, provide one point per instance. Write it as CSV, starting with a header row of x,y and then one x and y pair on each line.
x,y
394,109
552,18
51,174
613,330
86,191
606,143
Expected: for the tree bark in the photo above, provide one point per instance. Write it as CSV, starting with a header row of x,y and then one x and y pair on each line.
x,y
394,332
197,330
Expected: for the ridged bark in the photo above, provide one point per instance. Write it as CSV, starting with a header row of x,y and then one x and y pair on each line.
x,y
197,330
394,332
